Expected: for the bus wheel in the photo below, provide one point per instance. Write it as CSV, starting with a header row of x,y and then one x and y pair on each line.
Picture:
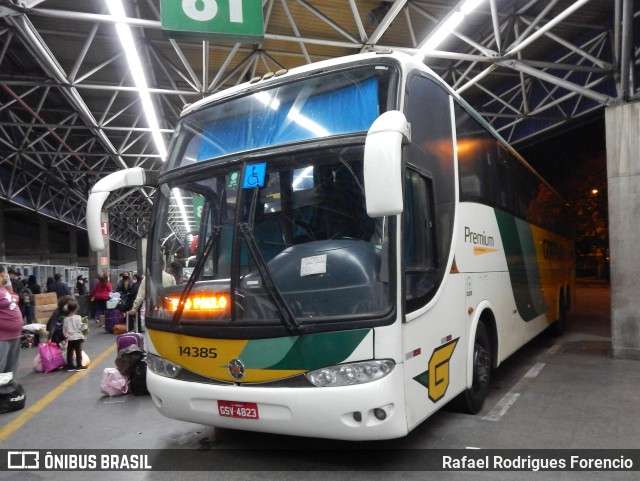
x,y
558,327
471,400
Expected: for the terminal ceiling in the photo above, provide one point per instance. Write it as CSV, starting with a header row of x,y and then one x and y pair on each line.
x,y
70,114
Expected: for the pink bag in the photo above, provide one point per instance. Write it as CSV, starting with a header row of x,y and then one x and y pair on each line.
x,y
113,383
50,356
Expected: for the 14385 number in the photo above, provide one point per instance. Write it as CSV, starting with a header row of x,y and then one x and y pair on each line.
x,y
195,351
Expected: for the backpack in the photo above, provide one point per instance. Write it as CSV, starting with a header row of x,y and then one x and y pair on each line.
x,y
58,334
127,359
138,378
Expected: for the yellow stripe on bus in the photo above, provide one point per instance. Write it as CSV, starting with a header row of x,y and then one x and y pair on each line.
x,y
483,250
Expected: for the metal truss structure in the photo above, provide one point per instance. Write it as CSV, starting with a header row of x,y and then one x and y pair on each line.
x,y
69,112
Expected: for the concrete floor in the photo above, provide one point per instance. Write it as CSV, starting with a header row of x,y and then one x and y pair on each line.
x,y
555,393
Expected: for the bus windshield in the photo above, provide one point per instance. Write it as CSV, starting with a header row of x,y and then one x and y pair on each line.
x,y
296,248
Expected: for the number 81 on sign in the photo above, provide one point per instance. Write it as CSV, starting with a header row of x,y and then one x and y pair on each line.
x,y
222,19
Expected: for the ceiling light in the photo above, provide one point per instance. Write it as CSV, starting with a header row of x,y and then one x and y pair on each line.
x,y
307,123
135,66
449,25
469,6
177,195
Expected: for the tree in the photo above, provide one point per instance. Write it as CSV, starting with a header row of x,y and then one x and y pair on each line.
x,y
586,191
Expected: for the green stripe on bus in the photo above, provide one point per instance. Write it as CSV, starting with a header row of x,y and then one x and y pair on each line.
x,y
522,262
302,352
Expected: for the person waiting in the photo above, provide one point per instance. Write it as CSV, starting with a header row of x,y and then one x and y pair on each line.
x,y
100,294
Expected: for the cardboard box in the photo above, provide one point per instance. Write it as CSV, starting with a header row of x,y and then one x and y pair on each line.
x,y
43,313
48,298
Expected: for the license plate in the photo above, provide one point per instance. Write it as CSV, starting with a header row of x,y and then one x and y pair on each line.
x,y
232,409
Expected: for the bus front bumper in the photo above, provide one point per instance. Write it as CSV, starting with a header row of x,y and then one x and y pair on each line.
x,y
369,411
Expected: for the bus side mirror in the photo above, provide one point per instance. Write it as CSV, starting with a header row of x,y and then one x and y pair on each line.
x,y
134,177
383,164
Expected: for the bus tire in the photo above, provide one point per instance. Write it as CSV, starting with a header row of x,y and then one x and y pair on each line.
x,y
471,400
558,327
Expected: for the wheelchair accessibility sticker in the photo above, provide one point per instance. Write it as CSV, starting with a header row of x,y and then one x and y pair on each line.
x,y
254,175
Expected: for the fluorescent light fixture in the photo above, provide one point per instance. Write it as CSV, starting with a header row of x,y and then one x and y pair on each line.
x,y
135,66
294,114
307,123
449,25
178,196
265,98
469,6
300,177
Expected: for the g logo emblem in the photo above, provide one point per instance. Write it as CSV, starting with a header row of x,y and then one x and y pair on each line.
x,y
236,369
439,370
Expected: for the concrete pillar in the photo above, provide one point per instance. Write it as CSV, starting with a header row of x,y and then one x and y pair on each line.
x,y
100,262
141,254
623,174
105,259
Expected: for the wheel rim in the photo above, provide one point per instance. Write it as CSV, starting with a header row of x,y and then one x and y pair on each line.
x,y
481,367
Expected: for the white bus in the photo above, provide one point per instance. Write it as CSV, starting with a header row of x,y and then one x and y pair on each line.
x,y
368,250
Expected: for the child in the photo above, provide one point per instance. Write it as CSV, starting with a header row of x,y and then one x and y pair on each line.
x,y
72,329
55,324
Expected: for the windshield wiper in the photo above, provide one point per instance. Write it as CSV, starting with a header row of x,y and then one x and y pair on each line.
x,y
195,275
288,319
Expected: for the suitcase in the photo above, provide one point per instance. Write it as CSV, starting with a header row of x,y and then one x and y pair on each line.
x,y
132,322
111,318
129,338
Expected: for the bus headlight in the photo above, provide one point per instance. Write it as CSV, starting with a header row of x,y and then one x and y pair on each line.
x,y
162,367
350,374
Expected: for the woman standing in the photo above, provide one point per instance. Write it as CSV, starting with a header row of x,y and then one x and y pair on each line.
x,y
81,288
10,326
51,284
100,294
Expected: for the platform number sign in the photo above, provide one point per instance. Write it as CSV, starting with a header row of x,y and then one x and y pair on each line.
x,y
239,20
198,206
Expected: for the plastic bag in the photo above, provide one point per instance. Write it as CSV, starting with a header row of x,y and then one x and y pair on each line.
x,y
5,378
37,364
50,356
86,361
114,300
85,326
113,383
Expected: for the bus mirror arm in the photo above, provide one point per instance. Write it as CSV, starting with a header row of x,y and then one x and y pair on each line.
x,y
383,164
134,177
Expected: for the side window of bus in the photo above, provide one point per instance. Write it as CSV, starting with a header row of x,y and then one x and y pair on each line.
x,y
505,178
431,152
477,160
419,240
